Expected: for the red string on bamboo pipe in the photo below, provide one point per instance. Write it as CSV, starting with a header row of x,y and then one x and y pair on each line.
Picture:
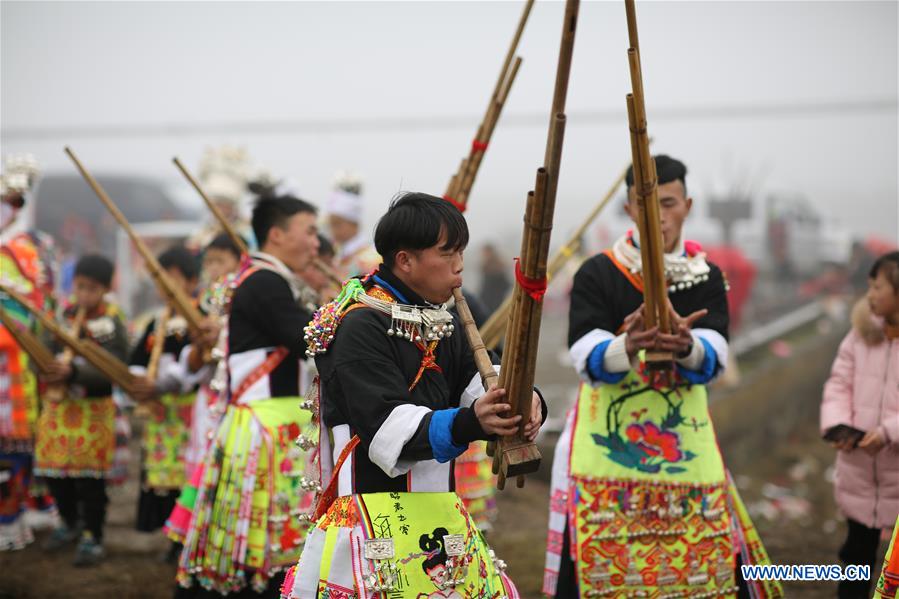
x,y
459,206
536,288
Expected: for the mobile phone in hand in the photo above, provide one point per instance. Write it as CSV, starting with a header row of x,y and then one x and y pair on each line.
x,y
843,432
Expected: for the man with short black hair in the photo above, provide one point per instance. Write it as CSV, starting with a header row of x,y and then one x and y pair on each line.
x,y
400,399
252,467
641,501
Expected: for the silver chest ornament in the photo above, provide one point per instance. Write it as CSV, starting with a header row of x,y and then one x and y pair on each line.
x,y
419,325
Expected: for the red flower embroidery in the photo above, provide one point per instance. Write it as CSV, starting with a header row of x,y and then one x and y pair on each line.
x,y
72,415
654,441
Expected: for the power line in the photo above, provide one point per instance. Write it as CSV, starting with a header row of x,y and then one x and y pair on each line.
x,y
405,124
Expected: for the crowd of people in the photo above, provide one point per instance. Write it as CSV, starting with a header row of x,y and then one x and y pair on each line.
x,y
321,431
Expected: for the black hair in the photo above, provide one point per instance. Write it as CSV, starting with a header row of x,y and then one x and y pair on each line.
x,y
181,258
668,169
888,266
325,247
223,241
416,221
275,211
433,543
95,267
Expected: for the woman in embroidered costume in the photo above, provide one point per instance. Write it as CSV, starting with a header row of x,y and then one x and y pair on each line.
x,y
641,502
76,436
400,399
244,528
168,397
27,262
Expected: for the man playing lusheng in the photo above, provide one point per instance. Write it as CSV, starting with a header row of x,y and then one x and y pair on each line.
x,y
641,502
401,398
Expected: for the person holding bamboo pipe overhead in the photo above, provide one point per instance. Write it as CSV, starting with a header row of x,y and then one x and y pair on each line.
x,y
166,387
637,472
400,398
75,434
244,527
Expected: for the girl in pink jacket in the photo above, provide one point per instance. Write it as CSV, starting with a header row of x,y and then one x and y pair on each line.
x,y
860,417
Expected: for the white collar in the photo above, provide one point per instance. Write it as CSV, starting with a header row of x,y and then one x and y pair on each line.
x,y
681,271
269,262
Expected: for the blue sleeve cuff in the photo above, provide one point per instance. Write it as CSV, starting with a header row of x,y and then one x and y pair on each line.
x,y
595,367
440,435
707,370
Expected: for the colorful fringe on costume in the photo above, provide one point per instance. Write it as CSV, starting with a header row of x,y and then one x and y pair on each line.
x,y
245,520
476,484
648,504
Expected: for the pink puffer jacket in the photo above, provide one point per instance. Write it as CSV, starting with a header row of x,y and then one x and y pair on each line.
x,y
863,391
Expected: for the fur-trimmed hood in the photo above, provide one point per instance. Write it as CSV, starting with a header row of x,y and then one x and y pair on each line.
x,y
868,326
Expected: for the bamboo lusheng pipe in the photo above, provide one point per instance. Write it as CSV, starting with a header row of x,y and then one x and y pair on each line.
x,y
514,324
473,164
646,189
28,341
110,366
495,327
159,331
518,456
170,290
56,393
522,337
216,212
460,185
479,350
162,323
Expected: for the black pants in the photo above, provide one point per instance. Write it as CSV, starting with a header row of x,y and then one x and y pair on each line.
x,y
567,586
81,499
860,548
154,508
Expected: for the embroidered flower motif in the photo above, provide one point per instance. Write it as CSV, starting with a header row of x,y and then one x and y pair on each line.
x,y
72,415
655,442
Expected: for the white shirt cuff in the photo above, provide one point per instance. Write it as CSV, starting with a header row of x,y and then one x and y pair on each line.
x,y
615,358
693,360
